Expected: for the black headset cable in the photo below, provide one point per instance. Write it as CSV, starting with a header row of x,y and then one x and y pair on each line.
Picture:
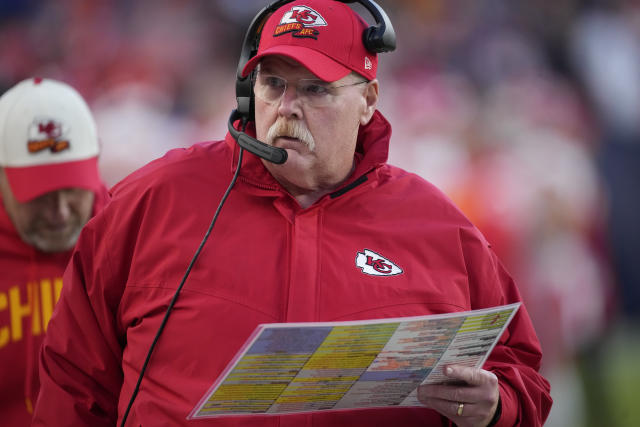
x,y
184,279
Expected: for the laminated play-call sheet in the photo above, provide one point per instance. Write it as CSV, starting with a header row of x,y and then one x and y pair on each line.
x,y
319,366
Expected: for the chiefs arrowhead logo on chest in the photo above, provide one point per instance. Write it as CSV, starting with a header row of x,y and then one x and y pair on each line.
x,y
376,265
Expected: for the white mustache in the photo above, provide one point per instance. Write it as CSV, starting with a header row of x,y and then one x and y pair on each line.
x,y
292,129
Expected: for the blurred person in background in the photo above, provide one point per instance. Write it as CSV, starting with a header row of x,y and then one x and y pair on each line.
x,y
611,78
604,49
49,188
311,217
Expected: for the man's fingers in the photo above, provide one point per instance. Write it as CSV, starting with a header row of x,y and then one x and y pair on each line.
x,y
471,376
474,398
451,409
448,392
472,385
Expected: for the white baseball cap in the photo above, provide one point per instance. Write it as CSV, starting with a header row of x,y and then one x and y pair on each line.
x,y
48,139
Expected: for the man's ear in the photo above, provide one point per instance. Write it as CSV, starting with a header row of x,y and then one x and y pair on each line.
x,y
371,101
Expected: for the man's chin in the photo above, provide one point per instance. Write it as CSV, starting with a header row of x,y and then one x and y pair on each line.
x,y
53,242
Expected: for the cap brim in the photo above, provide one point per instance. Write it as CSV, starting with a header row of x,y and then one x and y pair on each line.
x,y
30,182
318,63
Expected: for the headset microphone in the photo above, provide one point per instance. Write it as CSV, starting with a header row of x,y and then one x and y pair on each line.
x,y
273,154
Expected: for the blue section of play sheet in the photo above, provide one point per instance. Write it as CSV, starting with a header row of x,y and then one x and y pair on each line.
x,y
294,340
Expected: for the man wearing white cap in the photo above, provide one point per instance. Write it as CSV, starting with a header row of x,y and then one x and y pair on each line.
x,y
49,188
316,226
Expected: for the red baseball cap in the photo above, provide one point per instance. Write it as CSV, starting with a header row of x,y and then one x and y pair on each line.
x,y
325,36
48,139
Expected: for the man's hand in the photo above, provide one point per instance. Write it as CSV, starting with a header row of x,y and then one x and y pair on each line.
x,y
469,404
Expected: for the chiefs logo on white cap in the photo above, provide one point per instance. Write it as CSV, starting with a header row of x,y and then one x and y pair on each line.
x,y
47,133
299,21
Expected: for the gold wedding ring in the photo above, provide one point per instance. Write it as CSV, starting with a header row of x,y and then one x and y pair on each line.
x,y
460,408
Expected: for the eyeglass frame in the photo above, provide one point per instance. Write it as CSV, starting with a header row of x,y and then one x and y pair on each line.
x,y
304,97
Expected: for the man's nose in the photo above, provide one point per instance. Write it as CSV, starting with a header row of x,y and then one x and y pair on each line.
x,y
58,206
290,103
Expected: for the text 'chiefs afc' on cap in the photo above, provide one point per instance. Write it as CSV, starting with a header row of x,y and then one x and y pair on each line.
x,y
325,36
48,139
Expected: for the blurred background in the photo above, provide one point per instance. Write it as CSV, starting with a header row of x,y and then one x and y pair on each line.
x,y
525,112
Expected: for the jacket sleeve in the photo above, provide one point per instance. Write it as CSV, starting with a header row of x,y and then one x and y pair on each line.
x,y
516,359
80,360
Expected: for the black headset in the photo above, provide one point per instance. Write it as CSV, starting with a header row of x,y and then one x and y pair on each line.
x,y
378,38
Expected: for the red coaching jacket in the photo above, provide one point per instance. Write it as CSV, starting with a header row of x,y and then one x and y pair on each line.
x,y
266,261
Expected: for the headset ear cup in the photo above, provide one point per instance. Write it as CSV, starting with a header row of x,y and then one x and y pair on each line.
x,y
379,41
380,37
243,96
369,39
252,98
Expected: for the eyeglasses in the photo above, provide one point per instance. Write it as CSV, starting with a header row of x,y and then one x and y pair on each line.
x,y
315,93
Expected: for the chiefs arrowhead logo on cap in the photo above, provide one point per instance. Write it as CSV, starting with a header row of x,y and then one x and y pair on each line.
x,y
375,264
47,133
299,21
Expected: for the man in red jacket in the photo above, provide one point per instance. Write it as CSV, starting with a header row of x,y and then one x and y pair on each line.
x,y
49,188
333,233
